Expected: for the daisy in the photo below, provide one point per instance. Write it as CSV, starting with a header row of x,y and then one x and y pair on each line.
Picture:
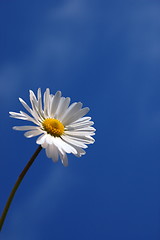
x,y
62,127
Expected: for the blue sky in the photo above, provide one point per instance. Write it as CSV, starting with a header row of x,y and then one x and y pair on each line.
x,y
105,54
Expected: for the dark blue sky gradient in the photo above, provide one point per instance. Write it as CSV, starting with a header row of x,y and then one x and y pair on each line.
x,y
107,55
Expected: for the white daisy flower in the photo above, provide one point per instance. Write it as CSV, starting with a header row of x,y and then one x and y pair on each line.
x,y
62,127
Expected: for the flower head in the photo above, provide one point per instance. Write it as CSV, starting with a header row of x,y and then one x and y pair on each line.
x,y
62,127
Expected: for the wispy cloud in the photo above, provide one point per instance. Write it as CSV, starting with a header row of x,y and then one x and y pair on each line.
x,y
41,201
10,80
144,32
57,48
71,9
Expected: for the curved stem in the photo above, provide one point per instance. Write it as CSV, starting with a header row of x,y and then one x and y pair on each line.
x,y
14,189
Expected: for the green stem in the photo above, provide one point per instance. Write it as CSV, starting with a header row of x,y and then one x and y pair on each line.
x,y
14,189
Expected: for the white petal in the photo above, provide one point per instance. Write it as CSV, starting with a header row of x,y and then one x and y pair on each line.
x,y
76,116
88,129
44,145
41,139
80,133
39,93
23,128
18,116
74,142
25,105
76,126
59,108
28,118
80,151
83,119
35,112
33,133
62,109
81,138
62,145
33,97
46,102
13,113
54,103
71,111
49,139
49,150
64,159
53,152
40,102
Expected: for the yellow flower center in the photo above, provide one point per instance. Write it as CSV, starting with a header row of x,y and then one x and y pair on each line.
x,y
53,126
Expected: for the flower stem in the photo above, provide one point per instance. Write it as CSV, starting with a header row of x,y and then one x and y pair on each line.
x,y
14,189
